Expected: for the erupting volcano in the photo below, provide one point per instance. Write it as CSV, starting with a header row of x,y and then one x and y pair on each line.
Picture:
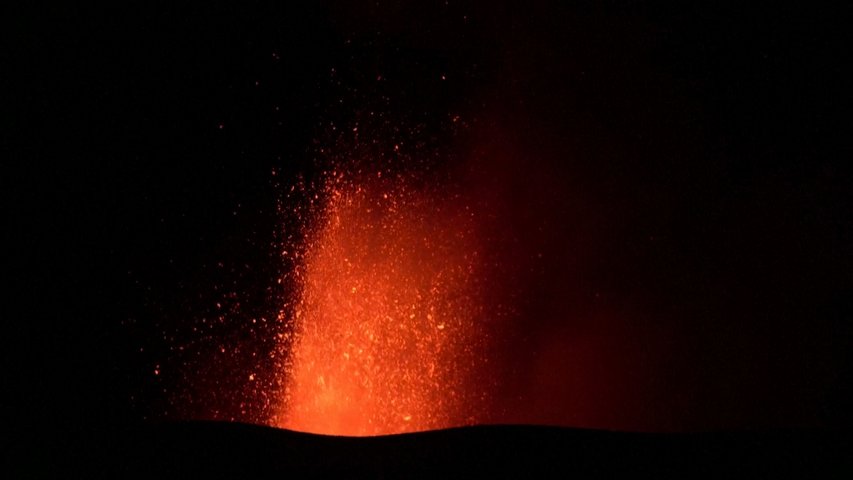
x,y
386,330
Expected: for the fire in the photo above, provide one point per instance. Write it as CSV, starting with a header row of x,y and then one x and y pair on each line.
x,y
386,331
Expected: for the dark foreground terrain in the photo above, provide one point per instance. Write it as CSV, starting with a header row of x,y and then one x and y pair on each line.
x,y
215,450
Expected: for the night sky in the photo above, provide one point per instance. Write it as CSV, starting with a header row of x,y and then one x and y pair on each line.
x,y
672,195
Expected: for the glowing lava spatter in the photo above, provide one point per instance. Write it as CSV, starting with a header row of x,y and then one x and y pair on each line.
x,y
386,328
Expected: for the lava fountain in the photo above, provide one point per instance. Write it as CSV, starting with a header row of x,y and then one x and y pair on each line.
x,y
386,331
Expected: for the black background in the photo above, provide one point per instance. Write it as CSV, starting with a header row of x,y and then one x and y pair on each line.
x,y
140,148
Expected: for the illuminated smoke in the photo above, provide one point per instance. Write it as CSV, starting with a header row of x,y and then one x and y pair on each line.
x,y
386,331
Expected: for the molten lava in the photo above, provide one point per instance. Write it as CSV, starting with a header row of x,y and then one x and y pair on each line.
x,y
386,329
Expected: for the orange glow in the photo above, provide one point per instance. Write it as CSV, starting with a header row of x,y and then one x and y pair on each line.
x,y
386,328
